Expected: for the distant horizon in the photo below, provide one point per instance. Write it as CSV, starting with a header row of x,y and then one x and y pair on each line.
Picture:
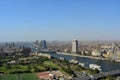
x,y
60,20
58,41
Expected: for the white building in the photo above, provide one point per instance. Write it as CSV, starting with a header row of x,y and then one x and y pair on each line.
x,y
75,46
82,64
95,66
74,61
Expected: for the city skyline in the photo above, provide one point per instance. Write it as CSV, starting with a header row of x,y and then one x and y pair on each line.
x,y
59,20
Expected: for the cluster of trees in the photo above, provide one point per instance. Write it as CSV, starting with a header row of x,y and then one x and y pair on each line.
x,y
36,65
26,51
64,66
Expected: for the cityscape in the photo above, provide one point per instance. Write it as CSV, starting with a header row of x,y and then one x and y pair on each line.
x,y
59,40
89,57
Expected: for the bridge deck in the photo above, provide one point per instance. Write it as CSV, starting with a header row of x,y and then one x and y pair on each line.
x,y
100,75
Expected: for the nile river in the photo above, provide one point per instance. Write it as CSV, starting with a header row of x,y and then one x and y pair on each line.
x,y
105,65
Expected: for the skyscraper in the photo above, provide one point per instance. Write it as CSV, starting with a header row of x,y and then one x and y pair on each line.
x,y
43,44
75,46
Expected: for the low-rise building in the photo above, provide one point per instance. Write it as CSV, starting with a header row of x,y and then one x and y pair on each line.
x,y
96,53
54,75
44,55
107,54
73,61
95,66
12,62
82,64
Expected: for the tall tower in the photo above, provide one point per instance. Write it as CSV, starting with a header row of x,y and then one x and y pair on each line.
x,y
75,46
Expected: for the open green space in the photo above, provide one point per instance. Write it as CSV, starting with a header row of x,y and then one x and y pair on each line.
x,y
9,77
24,76
28,66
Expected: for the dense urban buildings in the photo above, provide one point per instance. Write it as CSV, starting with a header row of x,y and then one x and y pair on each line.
x,y
26,54
40,44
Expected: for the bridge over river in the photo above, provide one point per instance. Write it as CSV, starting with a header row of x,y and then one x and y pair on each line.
x,y
100,75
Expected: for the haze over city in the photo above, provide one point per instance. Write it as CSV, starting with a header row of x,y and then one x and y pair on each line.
x,y
29,20
59,40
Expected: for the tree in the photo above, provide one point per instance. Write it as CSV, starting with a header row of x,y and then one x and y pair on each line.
x,y
109,78
26,51
96,71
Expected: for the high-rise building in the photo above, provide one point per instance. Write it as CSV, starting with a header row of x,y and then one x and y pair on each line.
x,y
43,44
75,46
36,44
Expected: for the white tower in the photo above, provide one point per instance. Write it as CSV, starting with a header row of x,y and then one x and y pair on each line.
x,y
75,46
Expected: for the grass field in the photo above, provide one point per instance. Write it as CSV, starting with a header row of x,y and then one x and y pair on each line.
x,y
25,76
9,77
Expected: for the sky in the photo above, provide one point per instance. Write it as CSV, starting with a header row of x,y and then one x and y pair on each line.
x,y
29,20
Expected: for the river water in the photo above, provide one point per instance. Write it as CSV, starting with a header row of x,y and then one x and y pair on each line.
x,y
105,65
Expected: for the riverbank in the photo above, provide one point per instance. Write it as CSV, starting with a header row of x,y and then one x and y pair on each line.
x,y
76,55
106,65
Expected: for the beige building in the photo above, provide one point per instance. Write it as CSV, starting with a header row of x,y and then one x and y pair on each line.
x,y
107,55
96,53
44,55
118,54
75,46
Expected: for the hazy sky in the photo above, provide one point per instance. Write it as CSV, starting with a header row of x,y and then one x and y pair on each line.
x,y
28,20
